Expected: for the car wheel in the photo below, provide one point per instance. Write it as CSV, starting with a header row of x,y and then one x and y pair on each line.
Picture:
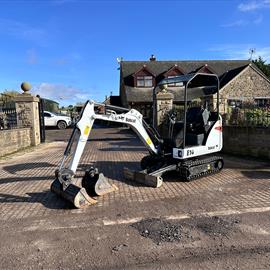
x,y
62,125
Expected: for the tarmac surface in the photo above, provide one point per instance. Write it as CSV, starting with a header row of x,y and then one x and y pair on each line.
x,y
216,222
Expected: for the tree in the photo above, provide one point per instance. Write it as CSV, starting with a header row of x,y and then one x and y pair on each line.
x,y
7,98
262,65
11,93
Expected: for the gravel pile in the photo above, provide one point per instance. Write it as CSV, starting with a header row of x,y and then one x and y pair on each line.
x,y
215,226
161,230
158,230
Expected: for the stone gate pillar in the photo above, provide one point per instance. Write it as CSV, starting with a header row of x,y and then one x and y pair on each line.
x,y
164,104
28,113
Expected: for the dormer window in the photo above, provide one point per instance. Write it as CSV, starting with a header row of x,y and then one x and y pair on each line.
x,y
206,69
144,81
173,72
175,84
144,78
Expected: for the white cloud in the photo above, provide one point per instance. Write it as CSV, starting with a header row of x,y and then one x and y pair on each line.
x,y
62,93
241,51
257,20
236,23
23,31
254,5
249,6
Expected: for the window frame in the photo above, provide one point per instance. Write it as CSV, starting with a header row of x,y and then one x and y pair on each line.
x,y
142,78
238,103
264,104
179,84
49,114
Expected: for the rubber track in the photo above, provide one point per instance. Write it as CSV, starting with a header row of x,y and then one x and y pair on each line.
x,y
186,165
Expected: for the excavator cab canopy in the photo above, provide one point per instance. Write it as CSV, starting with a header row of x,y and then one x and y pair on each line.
x,y
197,85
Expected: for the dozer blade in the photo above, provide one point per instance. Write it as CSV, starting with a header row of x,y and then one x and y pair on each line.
x,y
143,178
74,194
96,183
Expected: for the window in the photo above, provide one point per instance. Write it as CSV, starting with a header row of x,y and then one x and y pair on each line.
x,y
175,84
47,115
144,77
173,72
235,103
144,81
262,102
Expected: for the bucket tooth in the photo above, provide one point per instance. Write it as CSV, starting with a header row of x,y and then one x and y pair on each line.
x,y
96,183
74,194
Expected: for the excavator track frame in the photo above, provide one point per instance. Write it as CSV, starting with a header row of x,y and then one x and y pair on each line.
x,y
190,170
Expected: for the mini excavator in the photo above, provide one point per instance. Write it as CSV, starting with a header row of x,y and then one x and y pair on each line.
x,y
187,149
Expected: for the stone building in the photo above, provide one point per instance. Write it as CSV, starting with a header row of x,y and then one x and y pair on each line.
x,y
240,81
250,85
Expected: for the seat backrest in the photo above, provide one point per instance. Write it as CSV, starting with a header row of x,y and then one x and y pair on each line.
x,y
198,117
205,116
194,114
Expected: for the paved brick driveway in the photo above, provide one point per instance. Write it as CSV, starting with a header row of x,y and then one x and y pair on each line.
x,y
25,180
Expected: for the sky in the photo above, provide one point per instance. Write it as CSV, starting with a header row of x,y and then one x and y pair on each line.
x,y
68,49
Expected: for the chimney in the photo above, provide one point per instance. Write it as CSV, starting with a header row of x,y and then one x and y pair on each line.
x,y
152,58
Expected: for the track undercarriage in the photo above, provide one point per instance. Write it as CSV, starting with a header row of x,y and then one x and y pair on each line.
x,y
154,168
192,169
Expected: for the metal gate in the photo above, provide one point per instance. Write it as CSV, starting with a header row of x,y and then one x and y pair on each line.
x,y
41,119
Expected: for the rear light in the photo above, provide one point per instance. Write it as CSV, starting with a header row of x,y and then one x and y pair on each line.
x,y
219,128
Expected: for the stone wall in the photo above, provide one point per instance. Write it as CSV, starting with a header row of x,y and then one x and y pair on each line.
x,y
28,115
246,86
28,132
247,141
13,140
164,104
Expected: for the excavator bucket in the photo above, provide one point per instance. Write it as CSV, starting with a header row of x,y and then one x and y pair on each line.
x,y
144,178
151,178
96,183
93,184
74,194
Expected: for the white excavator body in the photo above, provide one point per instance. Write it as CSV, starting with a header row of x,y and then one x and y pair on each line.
x,y
189,157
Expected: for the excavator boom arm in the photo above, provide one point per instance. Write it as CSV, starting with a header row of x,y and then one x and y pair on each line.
x,y
132,118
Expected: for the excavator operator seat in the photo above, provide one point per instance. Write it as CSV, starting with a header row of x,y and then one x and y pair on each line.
x,y
197,125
